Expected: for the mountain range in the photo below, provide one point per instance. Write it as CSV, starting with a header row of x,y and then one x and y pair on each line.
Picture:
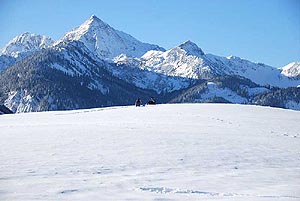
x,y
95,65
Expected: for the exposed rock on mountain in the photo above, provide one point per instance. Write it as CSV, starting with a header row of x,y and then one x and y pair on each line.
x,y
95,65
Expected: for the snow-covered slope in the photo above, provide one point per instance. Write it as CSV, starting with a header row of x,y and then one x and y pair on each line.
x,y
213,90
291,70
188,60
105,41
185,60
21,101
128,69
257,72
26,43
79,60
163,152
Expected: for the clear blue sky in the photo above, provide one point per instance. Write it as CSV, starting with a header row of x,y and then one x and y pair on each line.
x,y
265,31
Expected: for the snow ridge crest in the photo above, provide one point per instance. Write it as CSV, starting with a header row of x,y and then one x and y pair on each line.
x,y
26,42
191,48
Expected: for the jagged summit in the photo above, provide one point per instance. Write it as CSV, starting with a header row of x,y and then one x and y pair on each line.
x,y
88,27
95,21
26,42
105,41
94,18
191,48
23,35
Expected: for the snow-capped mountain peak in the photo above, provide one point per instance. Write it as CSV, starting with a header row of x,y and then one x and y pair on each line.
x,y
185,60
105,41
291,70
25,43
97,21
90,25
191,48
189,61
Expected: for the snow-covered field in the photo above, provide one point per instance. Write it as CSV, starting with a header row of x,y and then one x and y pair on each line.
x,y
162,152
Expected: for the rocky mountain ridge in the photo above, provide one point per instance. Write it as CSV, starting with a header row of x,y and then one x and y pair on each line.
x,y
95,65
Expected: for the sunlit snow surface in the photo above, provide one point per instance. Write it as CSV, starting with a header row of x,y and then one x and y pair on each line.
x,y
162,152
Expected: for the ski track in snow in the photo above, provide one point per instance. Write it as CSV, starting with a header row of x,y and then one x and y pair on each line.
x,y
162,152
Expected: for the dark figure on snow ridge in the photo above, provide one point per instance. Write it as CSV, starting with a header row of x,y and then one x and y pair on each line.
x,y
138,102
151,101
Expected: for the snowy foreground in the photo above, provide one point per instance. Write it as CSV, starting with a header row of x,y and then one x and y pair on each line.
x,y
163,152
